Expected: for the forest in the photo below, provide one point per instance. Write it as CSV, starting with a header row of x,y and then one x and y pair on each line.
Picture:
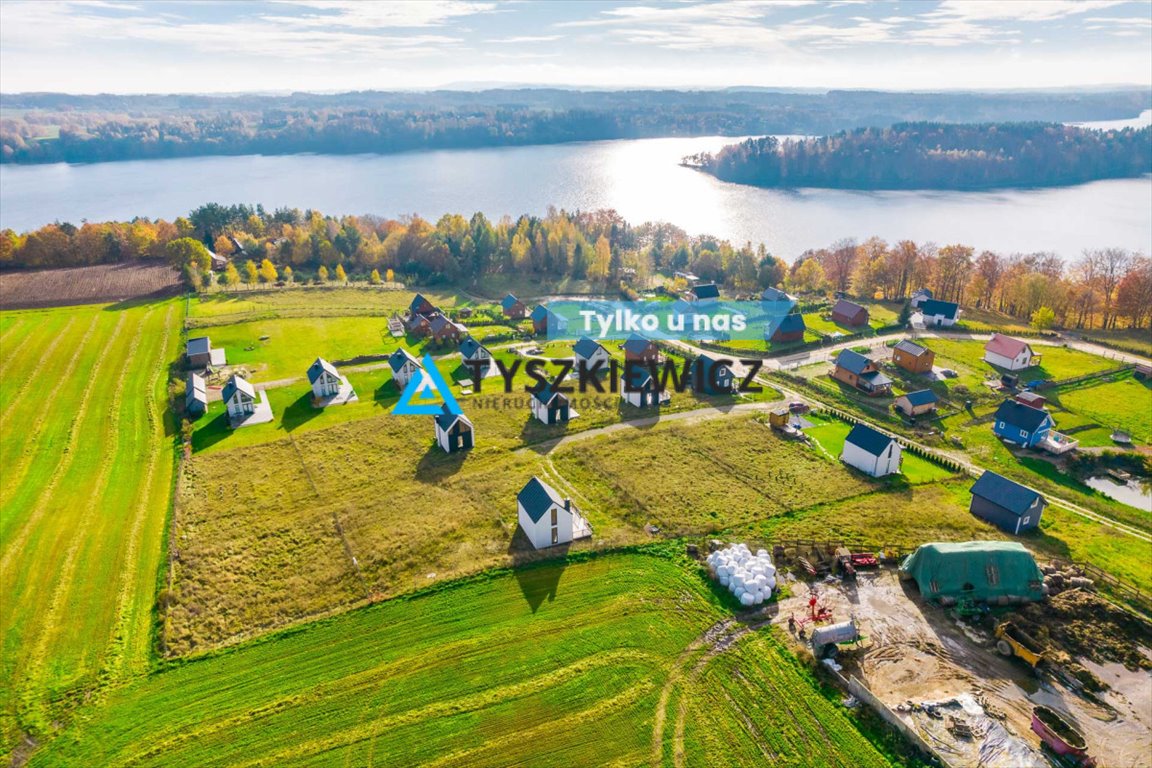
x,y
936,156
1105,287
49,128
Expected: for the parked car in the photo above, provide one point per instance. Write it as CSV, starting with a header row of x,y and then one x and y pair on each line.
x,y
797,406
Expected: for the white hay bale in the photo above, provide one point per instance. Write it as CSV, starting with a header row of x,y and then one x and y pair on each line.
x,y
746,599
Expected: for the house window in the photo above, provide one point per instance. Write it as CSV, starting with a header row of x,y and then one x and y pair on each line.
x,y
1025,521
1001,425
1023,433
553,517
555,535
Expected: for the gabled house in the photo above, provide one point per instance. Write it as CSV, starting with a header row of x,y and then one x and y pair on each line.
x,y
775,295
219,263
639,389
472,351
1009,353
421,306
1031,399
789,328
873,453
940,314
856,370
324,378
404,366
513,308
917,403
239,397
454,431
704,294
201,355
550,406
418,325
919,296
588,352
441,329
1006,504
849,313
195,395
641,350
545,321
1022,424
713,377
912,357
547,518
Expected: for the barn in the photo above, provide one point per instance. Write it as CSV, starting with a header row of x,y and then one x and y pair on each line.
x,y
195,395
550,406
872,452
421,306
1006,504
790,328
917,403
849,313
547,518
1009,353
441,329
638,349
454,431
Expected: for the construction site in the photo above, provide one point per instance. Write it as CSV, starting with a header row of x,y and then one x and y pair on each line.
x,y
976,653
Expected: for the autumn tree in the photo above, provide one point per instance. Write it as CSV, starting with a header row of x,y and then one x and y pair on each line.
x,y
223,246
268,271
289,275
808,277
340,274
1134,294
1043,319
250,273
374,277
187,251
231,276
322,274
390,276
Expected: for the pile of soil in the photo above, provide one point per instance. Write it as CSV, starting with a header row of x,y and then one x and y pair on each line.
x,y
1083,624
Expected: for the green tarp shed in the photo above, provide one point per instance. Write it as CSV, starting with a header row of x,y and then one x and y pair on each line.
x,y
991,571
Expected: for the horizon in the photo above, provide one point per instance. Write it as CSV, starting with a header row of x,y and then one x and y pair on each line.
x,y
87,47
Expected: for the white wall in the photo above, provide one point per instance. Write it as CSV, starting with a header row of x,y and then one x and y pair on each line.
x,y
887,464
540,533
599,356
240,405
1012,364
326,385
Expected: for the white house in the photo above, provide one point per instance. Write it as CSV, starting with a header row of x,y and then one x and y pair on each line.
x,y
588,353
472,351
939,314
871,452
550,406
547,518
403,366
453,431
643,392
1009,353
196,395
239,397
324,378
919,296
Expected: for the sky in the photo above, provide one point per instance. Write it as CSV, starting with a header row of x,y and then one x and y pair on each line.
x,y
132,46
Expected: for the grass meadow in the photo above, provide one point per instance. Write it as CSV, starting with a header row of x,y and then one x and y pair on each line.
x,y
577,664
88,457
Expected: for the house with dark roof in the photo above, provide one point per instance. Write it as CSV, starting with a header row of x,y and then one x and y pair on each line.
x,y
849,313
324,378
195,395
919,296
641,350
441,329
704,294
856,370
940,314
1009,353
513,308
239,397
1022,424
713,377
638,388
454,431
547,518
201,355
550,406
472,351
917,403
788,328
873,453
1006,504
913,357
588,352
421,306
418,325
404,366
545,321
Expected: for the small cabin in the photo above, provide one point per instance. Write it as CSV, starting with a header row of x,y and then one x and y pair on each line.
x,y
418,325
789,328
545,321
587,353
849,313
195,395
324,378
872,452
454,431
513,308
1009,353
550,406
640,389
547,518
201,355
917,403
239,397
913,357
1006,504
475,355
1031,399
704,294
403,366
1022,424
939,314
713,377
856,370
638,349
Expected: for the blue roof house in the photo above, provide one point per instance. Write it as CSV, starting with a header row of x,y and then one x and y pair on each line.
x,y
1022,424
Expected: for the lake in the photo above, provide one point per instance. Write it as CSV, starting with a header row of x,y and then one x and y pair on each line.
x,y
641,179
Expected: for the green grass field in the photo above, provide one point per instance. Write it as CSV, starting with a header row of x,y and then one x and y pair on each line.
x,y
831,434
1055,362
573,665
1125,404
88,460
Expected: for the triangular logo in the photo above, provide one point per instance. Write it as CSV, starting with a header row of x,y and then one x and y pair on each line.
x,y
427,378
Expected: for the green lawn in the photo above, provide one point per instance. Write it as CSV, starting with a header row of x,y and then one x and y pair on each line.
x,y
831,434
1055,363
87,456
555,665
1125,404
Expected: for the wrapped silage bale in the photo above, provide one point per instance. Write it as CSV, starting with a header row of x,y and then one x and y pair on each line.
x,y
746,599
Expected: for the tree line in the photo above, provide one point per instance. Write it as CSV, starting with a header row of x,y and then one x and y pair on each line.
x,y
936,156
44,128
1104,288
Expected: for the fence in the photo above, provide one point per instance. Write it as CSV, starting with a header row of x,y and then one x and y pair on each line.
x,y
1137,597
905,444
1053,384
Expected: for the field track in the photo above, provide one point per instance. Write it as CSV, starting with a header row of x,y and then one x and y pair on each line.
x,y
86,495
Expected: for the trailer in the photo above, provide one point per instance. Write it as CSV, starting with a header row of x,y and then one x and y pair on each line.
x,y
1013,641
1065,743
826,641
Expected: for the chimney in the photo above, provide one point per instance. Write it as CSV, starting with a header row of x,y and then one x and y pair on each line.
x,y
567,503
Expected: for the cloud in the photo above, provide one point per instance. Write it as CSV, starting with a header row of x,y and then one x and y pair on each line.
x,y
525,39
362,14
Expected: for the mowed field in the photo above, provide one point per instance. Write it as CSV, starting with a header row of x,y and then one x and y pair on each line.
x,y
629,661
88,458
82,285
